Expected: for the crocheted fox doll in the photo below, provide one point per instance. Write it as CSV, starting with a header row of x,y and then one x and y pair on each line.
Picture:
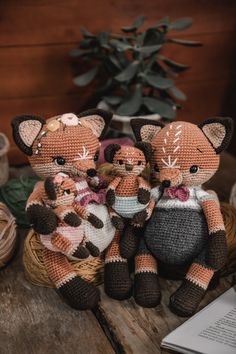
x,y
67,144
128,195
186,228
70,240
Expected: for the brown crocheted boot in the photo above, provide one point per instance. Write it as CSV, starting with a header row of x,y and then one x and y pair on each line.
x,y
79,294
184,302
117,282
147,292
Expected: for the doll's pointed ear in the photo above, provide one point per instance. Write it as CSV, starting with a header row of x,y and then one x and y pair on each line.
x,y
97,120
25,130
146,148
110,151
218,131
145,129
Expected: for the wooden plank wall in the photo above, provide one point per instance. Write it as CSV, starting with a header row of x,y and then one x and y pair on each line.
x,y
36,36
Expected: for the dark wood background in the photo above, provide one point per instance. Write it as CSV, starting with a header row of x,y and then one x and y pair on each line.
x,y
37,35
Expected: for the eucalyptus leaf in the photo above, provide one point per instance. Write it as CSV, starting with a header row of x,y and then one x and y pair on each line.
x,y
181,24
132,104
138,22
86,33
177,93
185,42
164,22
112,100
119,45
87,43
103,38
159,82
128,73
174,64
153,37
159,106
86,78
77,52
115,61
148,50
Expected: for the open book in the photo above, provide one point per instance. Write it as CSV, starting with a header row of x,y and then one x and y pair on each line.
x,y
210,331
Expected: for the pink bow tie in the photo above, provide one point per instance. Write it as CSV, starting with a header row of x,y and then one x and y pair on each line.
x,y
181,192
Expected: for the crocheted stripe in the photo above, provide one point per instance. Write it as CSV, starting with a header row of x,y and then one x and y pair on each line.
x,y
199,275
145,263
65,280
128,206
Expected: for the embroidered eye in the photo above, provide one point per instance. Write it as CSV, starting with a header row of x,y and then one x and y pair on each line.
x,y
59,160
120,162
139,162
156,168
96,156
66,192
194,169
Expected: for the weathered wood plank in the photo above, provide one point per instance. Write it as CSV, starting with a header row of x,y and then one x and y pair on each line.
x,y
55,21
34,320
47,70
138,330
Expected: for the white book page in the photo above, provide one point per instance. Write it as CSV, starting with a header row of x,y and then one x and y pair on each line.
x,y
210,331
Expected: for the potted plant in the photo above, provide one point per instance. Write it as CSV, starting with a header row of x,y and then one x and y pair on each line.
x,y
139,78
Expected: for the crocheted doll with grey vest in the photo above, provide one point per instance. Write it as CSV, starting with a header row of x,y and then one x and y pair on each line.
x,y
68,144
129,194
186,228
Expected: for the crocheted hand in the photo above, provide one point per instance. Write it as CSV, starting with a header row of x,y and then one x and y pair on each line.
x,y
110,197
42,219
95,221
143,195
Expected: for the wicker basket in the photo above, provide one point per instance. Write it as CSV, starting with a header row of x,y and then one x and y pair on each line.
x,y
90,270
4,167
7,235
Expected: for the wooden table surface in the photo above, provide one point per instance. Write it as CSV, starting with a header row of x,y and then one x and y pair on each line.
x,y
34,320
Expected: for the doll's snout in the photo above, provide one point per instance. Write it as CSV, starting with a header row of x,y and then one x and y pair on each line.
x,y
129,166
170,177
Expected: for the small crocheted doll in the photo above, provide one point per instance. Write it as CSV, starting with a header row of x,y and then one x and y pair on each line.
x,y
128,195
68,144
60,195
186,228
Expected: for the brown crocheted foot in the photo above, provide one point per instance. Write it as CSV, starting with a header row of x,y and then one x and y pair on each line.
x,y
42,219
117,282
79,294
72,219
140,218
147,292
94,251
95,221
184,302
129,243
117,222
81,252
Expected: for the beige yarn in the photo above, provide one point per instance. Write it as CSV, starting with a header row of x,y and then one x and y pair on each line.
x,y
7,235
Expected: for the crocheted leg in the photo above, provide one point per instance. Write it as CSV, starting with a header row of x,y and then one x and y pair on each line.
x,y
117,282
130,241
147,291
76,292
184,302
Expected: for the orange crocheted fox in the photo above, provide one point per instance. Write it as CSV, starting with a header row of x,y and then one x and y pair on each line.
x,y
128,195
68,238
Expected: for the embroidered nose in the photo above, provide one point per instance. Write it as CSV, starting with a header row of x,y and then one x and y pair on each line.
x,y
91,172
129,167
165,183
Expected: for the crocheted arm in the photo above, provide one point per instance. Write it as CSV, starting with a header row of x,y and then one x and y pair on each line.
x,y
86,215
217,246
42,219
143,191
62,243
110,195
